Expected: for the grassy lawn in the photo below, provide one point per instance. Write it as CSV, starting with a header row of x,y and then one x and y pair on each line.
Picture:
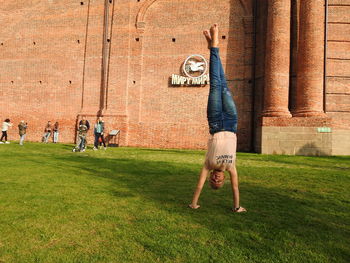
x,y
129,205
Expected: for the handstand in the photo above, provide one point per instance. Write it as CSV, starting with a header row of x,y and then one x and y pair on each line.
x,y
222,119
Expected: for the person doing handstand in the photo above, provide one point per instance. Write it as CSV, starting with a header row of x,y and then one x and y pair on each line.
x,y
222,120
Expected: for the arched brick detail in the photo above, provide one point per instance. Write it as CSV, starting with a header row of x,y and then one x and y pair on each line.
x,y
140,18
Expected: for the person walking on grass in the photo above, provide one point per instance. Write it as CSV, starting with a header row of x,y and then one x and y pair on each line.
x,y
222,119
22,129
98,132
5,126
55,132
47,132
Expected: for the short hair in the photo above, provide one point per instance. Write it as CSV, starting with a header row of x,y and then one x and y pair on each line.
x,y
214,185
7,120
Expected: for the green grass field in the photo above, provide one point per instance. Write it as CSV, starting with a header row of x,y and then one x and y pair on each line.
x,y
130,205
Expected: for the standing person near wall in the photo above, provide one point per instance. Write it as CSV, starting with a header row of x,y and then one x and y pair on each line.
x,y
87,124
55,132
22,129
98,132
222,119
82,133
83,119
5,126
47,132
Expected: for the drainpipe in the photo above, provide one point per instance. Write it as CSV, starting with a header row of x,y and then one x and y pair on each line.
x,y
325,58
105,47
253,118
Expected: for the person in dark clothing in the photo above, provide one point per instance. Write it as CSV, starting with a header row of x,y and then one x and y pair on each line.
x,y
86,123
98,132
47,132
83,119
55,132
5,126
22,130
81,143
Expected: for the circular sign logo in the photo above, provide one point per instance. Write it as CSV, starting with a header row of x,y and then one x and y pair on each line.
x,y
195,66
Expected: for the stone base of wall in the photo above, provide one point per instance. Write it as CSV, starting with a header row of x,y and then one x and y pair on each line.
x,y
295,141
317,141
341,142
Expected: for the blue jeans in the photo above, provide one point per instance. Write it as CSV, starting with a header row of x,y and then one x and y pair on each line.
x,y
97,136
21,139
82,143
221,110
55,136
47,136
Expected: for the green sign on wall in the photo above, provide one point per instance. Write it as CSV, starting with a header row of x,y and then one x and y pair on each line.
x,y
324,129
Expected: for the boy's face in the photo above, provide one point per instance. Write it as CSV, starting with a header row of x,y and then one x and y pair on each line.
x,y
217,179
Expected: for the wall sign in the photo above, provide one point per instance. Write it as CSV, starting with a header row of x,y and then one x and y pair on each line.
x,y
324,129
194,70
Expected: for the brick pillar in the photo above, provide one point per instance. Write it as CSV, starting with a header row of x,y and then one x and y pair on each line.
x,y
277,59
309,98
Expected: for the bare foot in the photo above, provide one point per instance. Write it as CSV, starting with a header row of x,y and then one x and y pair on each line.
x,y
206,33
214,32
194,206
239,210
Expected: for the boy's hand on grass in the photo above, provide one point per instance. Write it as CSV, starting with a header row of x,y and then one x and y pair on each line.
x,y
194,206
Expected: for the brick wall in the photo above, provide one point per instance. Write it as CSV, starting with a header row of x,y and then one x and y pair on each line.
x,y
51,67
51,60
301,135
178,114
338,63
41,64
338,74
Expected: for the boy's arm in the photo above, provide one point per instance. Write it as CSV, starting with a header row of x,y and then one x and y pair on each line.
x,y
201,180
234,186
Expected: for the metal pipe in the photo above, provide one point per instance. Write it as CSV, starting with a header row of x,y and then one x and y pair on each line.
x,y
110,36
85,52
254,118
104,56
325,58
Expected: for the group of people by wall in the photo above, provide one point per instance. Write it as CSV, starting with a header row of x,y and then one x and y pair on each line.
x,y
83,128
53,130
22,130
49,130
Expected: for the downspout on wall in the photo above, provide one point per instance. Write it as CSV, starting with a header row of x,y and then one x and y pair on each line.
x,y
253,121
325,58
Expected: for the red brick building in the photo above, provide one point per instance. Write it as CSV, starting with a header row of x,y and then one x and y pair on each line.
x,y
287,62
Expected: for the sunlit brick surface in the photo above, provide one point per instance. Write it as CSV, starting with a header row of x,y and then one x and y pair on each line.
x,y
51,67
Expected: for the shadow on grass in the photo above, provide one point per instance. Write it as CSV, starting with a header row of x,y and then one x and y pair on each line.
x,y
279,218
328,162
296,219
182,152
